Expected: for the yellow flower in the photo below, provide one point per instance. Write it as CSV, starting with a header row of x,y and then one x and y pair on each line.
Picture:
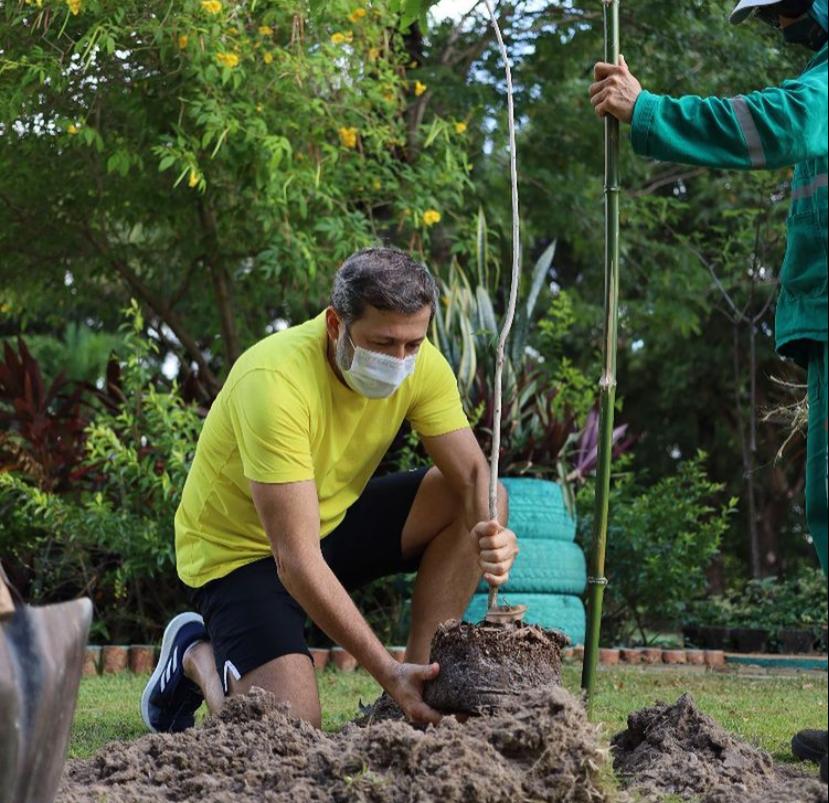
x,y
357,14
182,41
348,137
229,60
419,88
377,184
430,217
267,57
373,53
265,30
72,129
389,94
211,6
460,128
340,38
260,108
193,180
74,6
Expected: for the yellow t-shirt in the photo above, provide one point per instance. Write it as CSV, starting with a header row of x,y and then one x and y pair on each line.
x,y
284,416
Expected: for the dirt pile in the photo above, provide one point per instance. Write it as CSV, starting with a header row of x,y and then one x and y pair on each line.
x,y
542,749
676,749
484,667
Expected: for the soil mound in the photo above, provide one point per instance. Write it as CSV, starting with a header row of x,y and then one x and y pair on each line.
x,y
484,667
676,749
542,749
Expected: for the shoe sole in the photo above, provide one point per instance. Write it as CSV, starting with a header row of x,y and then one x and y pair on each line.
x,y
170,633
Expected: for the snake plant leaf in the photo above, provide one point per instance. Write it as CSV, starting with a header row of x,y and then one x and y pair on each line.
x,y
487,322
525,312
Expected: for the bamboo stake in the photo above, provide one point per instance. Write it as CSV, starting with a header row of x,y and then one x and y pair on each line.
x,y
607,385
513,293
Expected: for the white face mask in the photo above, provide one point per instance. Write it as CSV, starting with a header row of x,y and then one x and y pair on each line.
x,y
371,373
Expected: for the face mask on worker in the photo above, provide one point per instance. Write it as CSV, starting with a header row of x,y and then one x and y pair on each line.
x,y
806,30
371,373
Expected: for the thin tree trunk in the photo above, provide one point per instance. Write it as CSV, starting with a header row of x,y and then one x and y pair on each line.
x,y
748,463
221,285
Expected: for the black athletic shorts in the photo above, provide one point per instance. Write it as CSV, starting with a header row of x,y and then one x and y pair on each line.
x,y
250,616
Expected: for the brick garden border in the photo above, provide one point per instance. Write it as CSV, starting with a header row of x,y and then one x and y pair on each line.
x,y
111,659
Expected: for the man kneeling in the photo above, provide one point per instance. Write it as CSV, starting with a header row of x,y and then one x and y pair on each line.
x,y
280,518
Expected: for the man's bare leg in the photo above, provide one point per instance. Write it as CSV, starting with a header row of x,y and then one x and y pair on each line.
x,y
290,678
449,568
199,665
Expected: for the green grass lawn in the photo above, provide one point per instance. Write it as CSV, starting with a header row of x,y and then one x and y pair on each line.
x,y
762,709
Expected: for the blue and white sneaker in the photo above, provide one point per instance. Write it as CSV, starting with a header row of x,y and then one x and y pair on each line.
x,y
170,699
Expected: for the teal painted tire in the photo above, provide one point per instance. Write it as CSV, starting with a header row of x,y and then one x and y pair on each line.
x,y
545,566
563,612
537,509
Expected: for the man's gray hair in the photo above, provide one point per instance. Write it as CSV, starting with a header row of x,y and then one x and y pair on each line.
x,y
385,278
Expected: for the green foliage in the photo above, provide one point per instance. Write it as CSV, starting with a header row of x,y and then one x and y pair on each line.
x,y
111,536
798,601
661,540
197,154
81,353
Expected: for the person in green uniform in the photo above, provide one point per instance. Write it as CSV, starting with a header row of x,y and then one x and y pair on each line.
x,y
769,128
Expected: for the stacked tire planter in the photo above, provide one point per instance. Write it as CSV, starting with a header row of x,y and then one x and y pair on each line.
x,y
550,573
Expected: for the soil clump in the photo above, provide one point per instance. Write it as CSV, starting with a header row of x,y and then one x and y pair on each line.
x,y
486,666
540,749
676,749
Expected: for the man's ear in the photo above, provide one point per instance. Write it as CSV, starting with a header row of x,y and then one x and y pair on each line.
x,y
332,324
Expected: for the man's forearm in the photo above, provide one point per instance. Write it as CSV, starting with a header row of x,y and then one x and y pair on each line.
x,y
476,498
316,588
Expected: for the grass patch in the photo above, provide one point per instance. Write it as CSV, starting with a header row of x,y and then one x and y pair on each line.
x,y
765,710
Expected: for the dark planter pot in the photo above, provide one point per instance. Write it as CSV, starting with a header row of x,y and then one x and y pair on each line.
x,y
714,637
796,640
690,634
750,639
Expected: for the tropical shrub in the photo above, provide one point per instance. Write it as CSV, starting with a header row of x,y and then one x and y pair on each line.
x,y
770,603
660,542
110,535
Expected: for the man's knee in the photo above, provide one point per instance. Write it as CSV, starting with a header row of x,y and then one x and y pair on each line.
x,y
291,679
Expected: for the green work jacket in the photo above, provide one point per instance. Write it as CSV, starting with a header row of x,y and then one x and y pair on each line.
x,y
772,128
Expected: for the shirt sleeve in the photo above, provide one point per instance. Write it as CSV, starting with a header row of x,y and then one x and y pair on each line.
x,y
436,407
770,128
271,423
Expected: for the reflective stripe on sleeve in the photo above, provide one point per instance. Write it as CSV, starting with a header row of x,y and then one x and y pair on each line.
x,y
808,190
750,132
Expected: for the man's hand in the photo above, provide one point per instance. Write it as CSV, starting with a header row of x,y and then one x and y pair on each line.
x,y
498,549
615,90
406,686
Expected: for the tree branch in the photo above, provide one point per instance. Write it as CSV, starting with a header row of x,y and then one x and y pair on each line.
x,y
160,307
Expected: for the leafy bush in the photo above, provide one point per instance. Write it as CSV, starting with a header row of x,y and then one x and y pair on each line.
x,y
660,541
111,534
769,604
